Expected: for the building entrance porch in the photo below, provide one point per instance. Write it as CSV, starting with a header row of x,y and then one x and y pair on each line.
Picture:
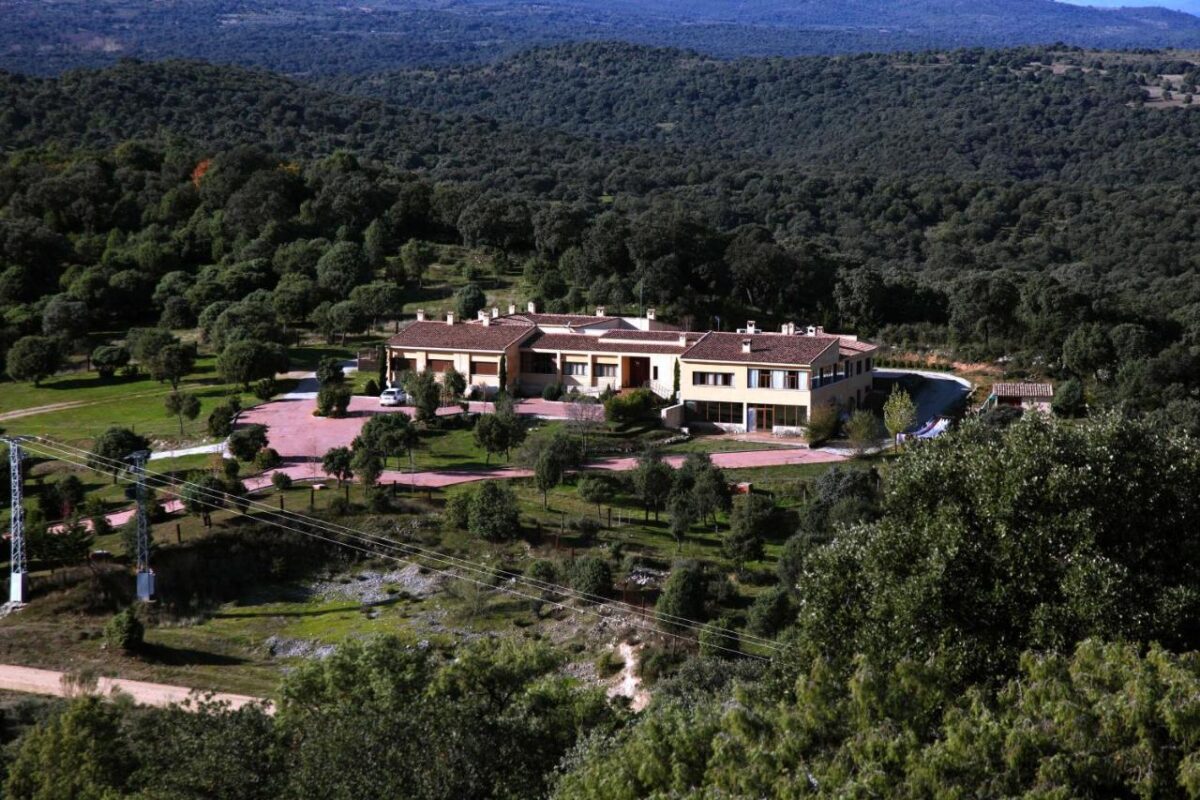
x,y
759,418
635,372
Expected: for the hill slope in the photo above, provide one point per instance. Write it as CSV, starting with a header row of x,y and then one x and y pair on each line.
x,y
309,36
1018,114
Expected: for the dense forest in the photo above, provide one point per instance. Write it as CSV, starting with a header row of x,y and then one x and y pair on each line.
x,y
305,37
1006,611
993,620
978,202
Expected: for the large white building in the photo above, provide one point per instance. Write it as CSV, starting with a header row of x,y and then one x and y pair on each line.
x,y
749,380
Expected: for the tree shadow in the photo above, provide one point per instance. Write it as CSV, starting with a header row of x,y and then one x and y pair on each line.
x,y
187,657
92,381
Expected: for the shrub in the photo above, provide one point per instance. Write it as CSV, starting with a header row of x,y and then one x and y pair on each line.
x,y
267,458
339,506
609,663
656,664
625,409
822,423
591,576
770,612
247,442
719,640
1069,399
230,468
587,528
378,501
333,400
266,388
683,596
329,372
281,481
108,358
371,389
552,392
544,571
493,512
125,631
220,421
458,510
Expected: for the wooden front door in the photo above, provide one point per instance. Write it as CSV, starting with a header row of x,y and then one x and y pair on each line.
x,y
639,372
760,418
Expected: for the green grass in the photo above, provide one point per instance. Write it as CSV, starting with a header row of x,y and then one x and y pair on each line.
x,y
720,444
135,403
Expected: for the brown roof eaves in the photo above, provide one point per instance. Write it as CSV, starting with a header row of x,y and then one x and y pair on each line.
x,y
476,338
765,348
582,343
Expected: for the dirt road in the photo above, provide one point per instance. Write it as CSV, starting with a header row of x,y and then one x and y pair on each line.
x,y
49,682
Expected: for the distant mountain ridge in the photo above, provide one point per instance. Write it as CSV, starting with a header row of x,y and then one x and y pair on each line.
x,y
304,37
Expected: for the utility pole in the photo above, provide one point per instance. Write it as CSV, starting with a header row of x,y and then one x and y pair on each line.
x,y
18,568
145,578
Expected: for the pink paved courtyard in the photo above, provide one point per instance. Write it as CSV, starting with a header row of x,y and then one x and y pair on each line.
x,y
301,439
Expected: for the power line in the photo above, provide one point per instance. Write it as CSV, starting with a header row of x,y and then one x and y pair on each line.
x,y
368,543
410,549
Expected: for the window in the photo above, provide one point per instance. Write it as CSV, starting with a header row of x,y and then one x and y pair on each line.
x,y
778,379
655,375
539,363
760,379
794,379
485,368
606,370
869,364
858,369
790,416
575,368
440,364
712,379
723,413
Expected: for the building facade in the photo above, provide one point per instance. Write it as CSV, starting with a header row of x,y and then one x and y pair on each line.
x,y
749,380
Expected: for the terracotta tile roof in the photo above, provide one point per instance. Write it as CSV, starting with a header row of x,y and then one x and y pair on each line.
x,y
440,336
581,342
854,347
648,336
560,320
765,348
1031,390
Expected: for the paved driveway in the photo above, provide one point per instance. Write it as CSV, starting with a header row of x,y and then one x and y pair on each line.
x,y
939,393
302,439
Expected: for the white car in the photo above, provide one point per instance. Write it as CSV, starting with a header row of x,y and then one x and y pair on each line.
x,y
393,397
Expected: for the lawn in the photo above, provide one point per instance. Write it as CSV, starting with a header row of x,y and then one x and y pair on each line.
x,y
454,267
722,444
135,403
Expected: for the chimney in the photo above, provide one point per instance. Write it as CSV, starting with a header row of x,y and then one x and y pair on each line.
x,y
482,317
600,311
750,327
495,312
420,315
683,340
449,317
746,345
532,307
512,309
820,330
650,314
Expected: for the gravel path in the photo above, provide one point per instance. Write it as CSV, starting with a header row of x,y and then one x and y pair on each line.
x,y
50,682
